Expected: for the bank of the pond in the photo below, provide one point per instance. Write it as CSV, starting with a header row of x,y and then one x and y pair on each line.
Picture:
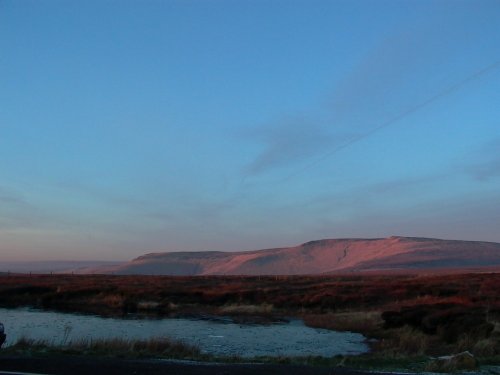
x,y
218,338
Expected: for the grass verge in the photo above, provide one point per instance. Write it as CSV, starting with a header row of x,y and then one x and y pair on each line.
x,y
164,348
159,347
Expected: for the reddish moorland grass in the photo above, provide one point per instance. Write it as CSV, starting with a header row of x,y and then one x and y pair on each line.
x,y
283,292
408,314
318,294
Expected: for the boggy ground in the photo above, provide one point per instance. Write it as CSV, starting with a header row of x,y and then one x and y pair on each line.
x,y
407,316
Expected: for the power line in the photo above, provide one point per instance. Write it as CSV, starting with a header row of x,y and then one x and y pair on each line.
x,y
447,91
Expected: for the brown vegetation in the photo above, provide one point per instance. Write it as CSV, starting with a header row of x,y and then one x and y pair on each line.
x,y
407,314
116,347
122,294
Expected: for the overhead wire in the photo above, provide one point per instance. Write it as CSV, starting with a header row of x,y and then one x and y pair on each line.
x,y
446,91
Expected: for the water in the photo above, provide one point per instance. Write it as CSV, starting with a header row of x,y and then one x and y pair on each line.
x,y
218,338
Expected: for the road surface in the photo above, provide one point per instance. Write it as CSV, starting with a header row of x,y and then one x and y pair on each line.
x,y
77,365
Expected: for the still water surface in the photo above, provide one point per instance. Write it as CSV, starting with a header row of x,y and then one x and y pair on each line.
x,y
214,337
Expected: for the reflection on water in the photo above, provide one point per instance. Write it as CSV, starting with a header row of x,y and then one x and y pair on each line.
x,y
290,339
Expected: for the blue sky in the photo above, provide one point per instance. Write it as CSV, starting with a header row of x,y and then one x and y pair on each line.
x,y
128,127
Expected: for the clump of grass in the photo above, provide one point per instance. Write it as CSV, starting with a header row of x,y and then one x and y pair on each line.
x,y
464,361
148,305
404,341
366,322
27,343
465,342
162,347
110,300
264,308
486,348
116,347
380,361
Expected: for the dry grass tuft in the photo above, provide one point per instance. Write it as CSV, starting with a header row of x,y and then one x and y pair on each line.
x,y
366,322
264,308
155,347
148,305
486,348
405,341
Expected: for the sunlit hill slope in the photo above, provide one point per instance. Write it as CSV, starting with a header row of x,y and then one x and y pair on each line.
x,y
322,256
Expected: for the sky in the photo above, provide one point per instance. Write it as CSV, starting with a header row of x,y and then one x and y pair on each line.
x,y
129,127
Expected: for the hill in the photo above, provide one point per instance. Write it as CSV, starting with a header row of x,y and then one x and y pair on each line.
x,y
321,256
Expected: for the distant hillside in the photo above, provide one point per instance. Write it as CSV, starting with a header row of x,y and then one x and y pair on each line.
x,y
322,256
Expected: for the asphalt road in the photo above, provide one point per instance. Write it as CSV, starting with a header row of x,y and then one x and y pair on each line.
x,y
67,365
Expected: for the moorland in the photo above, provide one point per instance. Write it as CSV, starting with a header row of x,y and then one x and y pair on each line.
x,y
407,317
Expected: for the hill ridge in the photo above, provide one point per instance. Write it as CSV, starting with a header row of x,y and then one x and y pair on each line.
x,y
320,257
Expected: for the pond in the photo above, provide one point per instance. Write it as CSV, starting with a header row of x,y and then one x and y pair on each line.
x,y
217,337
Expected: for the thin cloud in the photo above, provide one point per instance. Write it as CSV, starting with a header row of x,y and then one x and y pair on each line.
x,y
360,197
16,212
372,90
487,170
9,196
402,74
406,67
488,166
104,196
288,142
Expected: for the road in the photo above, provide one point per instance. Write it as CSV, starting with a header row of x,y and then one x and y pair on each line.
x,y
77,365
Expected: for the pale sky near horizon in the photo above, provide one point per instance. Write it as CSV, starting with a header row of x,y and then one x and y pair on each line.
x,y
128,127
